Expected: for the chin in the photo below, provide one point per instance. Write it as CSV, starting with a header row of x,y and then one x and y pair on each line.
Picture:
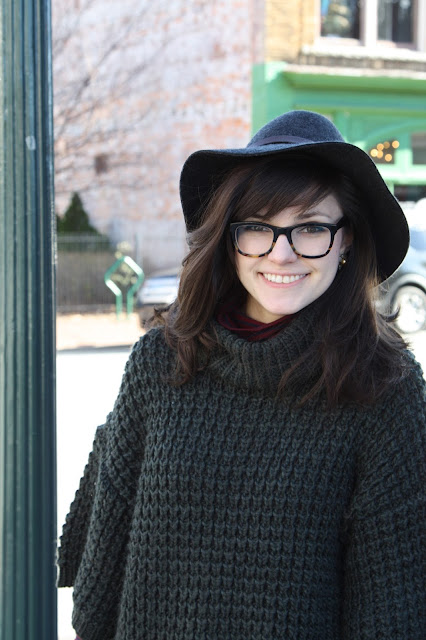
x,y
275,314
286,311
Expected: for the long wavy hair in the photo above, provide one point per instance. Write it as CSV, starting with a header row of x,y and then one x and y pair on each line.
x,y
360,354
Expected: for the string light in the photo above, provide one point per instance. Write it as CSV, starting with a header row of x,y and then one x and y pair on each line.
x,y
384,151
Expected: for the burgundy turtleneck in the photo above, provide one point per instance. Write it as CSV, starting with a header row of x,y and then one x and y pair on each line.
x,y
233,319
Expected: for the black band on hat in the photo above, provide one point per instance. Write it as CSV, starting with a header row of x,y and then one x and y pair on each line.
x,y
275,139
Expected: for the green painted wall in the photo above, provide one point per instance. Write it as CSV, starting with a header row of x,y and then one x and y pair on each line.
x,y
366,110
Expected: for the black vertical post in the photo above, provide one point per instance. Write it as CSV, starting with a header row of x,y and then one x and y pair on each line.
x,y
27,329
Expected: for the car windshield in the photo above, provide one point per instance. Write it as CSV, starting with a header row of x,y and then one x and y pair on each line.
x,y
418,239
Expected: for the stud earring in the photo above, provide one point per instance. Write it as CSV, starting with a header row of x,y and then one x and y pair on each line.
x,y
342,261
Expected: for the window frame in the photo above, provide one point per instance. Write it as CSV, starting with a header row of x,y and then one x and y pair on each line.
x,y
369,29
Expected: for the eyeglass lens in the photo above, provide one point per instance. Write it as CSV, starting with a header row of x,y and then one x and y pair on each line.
x,y
309,241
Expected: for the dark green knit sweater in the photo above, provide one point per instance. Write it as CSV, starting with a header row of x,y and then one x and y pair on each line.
x,y
215,512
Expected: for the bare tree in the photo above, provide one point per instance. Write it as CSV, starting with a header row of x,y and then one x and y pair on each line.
x,y
108,62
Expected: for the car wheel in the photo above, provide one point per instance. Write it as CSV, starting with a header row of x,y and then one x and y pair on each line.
x,y
411,302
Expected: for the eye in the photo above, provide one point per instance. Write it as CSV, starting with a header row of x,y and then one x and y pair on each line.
x,y
313,229
255,227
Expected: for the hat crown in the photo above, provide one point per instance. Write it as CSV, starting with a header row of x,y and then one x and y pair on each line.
x,y
306,125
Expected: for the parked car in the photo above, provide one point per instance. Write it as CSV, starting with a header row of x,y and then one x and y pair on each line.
x,y
406,288
158,291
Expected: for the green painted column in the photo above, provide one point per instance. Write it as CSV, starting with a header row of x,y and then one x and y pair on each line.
x,y
27,333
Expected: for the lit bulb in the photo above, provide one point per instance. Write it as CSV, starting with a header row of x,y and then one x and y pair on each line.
x,y
388,157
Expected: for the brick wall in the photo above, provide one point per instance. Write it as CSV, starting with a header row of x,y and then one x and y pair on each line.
x,y
178,79
289,24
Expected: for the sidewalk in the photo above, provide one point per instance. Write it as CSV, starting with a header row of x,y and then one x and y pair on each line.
x,y
96,330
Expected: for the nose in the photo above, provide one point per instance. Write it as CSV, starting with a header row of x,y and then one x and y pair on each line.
x,y
282,251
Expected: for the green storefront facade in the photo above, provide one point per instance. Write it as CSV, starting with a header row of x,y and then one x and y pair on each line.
x,y
384,115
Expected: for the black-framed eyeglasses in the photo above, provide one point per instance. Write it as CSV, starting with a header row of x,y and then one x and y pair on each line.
x,y
308,239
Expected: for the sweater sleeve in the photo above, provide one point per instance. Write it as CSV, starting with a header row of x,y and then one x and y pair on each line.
x,y
74,532
384,589
95,535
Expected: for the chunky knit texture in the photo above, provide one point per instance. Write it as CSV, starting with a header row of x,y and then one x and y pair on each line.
x,y
214,511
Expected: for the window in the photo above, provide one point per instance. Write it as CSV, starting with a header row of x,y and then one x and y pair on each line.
x,y
384,152
418,145
340,19
410,192
370,22
395,20
101,163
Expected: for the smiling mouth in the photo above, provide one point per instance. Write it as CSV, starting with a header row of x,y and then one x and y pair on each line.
x,y
273,277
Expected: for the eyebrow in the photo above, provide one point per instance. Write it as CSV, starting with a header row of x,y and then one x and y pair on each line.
x,y
304,215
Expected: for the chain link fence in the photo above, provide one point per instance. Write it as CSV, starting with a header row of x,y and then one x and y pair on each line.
x,y
83,260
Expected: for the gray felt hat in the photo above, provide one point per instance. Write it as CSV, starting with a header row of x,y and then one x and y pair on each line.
x,y
309,132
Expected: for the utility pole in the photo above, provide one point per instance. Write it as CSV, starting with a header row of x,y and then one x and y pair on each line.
x,y
27,329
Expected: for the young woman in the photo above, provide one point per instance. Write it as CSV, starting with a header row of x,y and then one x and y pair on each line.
x,y
260,476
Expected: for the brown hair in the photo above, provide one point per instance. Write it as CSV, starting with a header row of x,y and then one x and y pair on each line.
x,y
359,354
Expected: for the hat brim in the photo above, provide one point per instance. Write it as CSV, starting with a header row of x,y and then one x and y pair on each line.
x,y
204,171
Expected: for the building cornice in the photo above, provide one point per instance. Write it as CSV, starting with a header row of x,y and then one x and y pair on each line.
x,y
375,59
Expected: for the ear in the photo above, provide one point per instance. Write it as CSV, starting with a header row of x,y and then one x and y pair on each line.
x,y
347,239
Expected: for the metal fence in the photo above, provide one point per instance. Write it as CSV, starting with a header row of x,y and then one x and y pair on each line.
x,y
82,262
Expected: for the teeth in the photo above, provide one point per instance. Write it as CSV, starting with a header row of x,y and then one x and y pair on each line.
x,y
273,277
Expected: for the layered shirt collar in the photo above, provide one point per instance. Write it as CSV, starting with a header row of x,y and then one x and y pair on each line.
x,y
233,319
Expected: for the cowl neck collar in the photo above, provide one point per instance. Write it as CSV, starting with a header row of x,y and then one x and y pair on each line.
x,y
259,366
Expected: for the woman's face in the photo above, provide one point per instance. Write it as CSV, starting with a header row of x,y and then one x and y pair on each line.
x,y
306,279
